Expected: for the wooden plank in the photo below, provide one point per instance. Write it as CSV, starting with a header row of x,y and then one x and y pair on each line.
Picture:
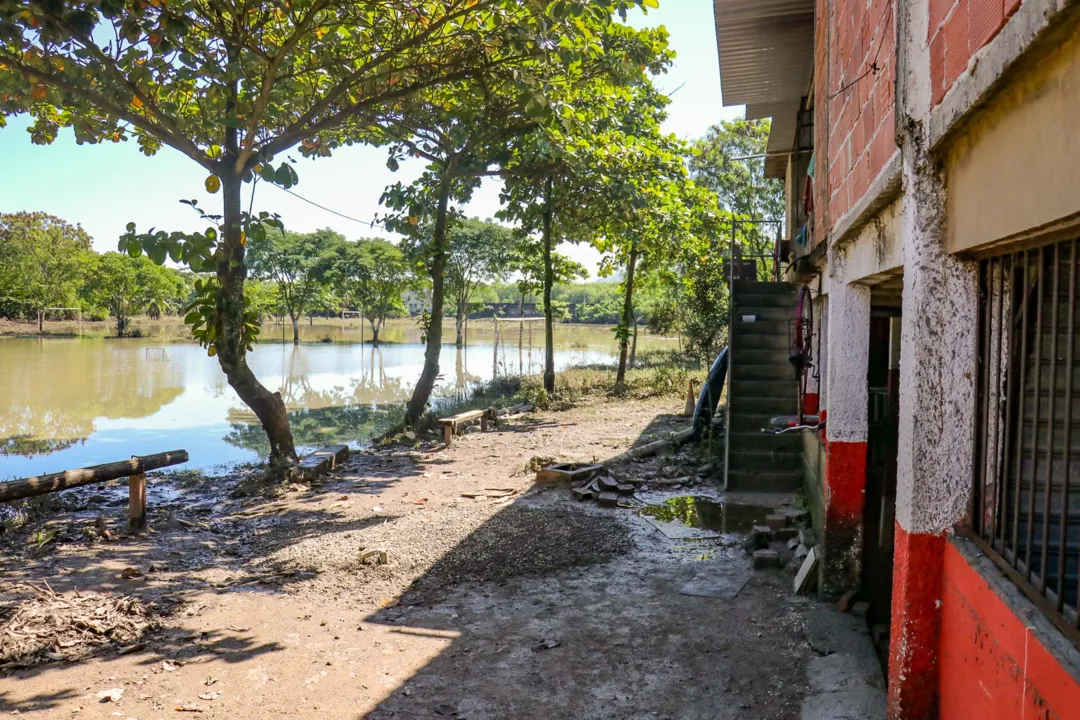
x,y
447,433
44,484
137,502
464,417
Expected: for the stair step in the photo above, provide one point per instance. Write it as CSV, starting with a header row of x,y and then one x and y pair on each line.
x,y
755,287
753,422
750,439
745,388
764,313
780,372
759,327
751,300
769,481
763,460
764,406
758,341
763,356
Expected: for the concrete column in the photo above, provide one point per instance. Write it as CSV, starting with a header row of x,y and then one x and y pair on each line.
x,y
845,432
937,391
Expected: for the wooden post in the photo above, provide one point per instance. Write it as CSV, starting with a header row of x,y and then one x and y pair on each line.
x,y
448,434
137,502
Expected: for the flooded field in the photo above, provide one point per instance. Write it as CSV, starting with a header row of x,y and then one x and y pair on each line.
x,y
71,402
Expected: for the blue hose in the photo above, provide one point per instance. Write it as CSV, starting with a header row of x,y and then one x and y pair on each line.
x,y
710,394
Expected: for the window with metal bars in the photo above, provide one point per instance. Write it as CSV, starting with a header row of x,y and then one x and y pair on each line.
x,y
1026,502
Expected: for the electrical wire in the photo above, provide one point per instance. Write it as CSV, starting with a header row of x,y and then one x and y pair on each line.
x,y
329,210
874,67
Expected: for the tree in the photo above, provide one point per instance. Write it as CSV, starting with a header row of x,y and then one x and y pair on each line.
x,y
464,132
295,263
128,285
479,252
43,261
618,159
234,84
740,186
373,274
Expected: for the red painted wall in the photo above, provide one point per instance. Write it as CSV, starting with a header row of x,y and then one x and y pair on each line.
x,y
858,99
991,667
959,29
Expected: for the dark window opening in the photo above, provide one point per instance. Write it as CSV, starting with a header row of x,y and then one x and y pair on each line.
x,y
1026,502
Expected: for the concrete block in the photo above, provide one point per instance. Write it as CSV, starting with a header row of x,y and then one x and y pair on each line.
x,y
583,493
785,534
860,609
322,461
776,521
608,499
766,559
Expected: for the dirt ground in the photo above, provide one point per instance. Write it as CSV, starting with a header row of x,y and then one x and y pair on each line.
x,y
525,606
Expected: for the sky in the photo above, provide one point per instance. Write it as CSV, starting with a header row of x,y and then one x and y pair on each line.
x,y
103,187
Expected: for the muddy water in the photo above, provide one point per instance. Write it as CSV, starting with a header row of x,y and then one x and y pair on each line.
x,y
71,402
708,514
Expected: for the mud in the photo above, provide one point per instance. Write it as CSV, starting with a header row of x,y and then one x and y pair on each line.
x,y
524,606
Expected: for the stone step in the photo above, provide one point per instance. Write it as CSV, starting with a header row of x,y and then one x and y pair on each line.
x,y
758,341
764,313
741,388
755,287
766,481
765,460
764,406
763,356
753,440
781,372
759,327
753,422
752,300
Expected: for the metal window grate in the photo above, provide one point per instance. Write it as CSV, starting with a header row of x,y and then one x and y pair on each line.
x,y
1026,511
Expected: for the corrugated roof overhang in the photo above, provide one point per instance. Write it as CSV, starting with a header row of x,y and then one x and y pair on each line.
x,y
766,58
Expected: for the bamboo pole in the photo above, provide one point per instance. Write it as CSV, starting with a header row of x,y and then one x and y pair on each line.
x,y
44,484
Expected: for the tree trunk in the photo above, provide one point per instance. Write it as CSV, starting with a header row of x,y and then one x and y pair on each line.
x,y
459,323
229,324
628,315
375,333
633,340
295,328
549,280
41,322
422,392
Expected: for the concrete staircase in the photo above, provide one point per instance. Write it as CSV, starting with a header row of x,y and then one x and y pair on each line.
x,y
762,386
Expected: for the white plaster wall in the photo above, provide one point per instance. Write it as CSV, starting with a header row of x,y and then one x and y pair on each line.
x,y
849,356
937,360
877,248
823,350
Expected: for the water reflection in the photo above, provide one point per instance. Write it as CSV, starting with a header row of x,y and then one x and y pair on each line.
x,y
71,402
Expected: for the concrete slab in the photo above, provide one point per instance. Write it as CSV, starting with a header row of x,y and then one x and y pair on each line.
x,y
723,581
865,703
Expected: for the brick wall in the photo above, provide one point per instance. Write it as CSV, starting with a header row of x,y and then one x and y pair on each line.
x,y
857,74
959,29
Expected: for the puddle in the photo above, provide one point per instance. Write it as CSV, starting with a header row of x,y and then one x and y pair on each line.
x,y
707,514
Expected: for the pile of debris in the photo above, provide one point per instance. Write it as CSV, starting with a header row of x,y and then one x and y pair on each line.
x,y
780,527
51,627
589,482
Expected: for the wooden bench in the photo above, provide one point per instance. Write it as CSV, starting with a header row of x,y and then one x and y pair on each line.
x,y
451,425
134,470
